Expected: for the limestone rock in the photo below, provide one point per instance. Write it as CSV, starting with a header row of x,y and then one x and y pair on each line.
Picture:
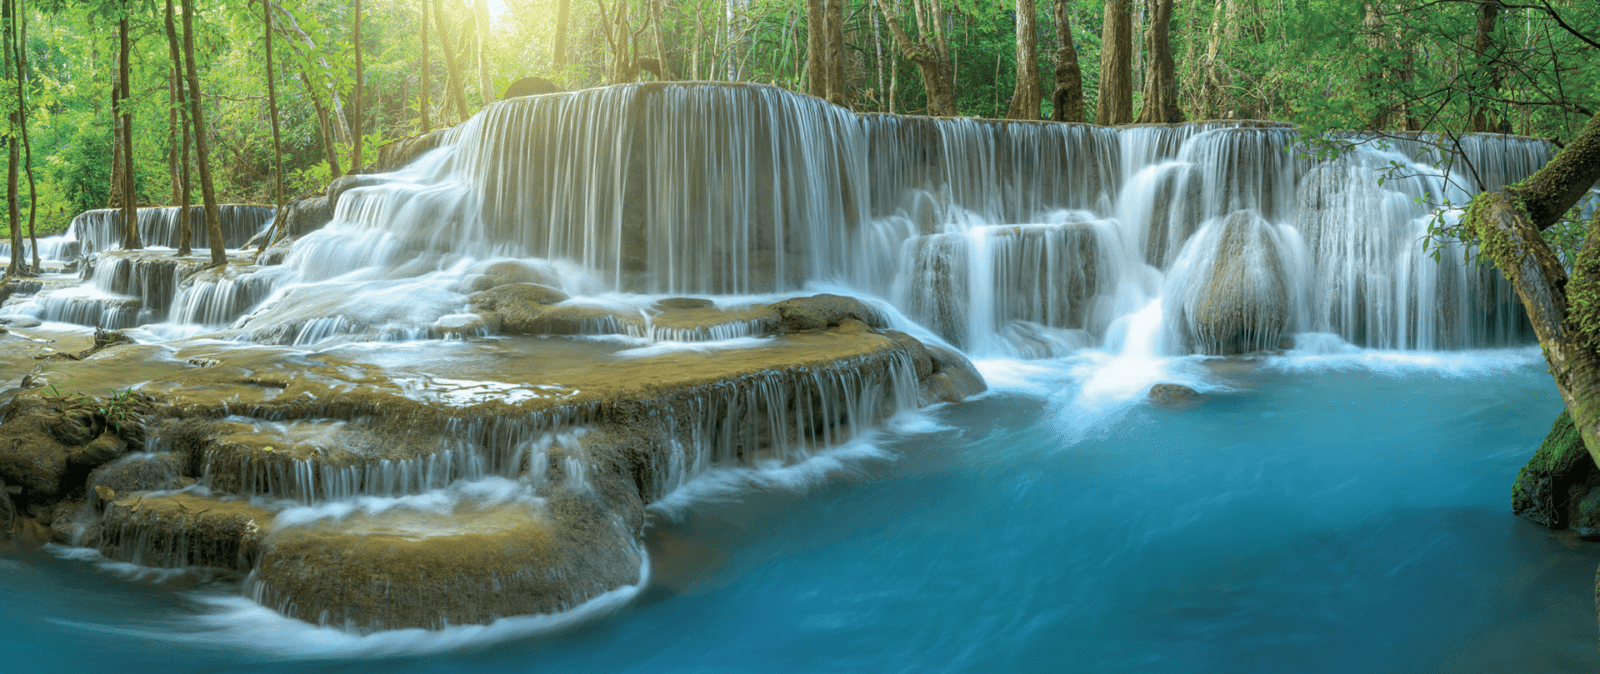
x,y
8,514
396,155
20,322
277,252
531,86
30,456
184,529
1173,395
459,326
954,378
343,184
1237,301
102,450
919,353
139,471
306,215
512,271
684,303
824,311
1544,489
516,296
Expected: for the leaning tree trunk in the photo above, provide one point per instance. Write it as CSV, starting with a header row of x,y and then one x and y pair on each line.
x,y
130,199
563,8
180,100
485,77
1115,105
1160,82
453,86
1066,104
930,55
277,143
202,146
1025,98
1565,313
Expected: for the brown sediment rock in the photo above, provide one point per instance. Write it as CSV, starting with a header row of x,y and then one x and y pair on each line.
x,y
31,456
823,311
512,271
184,529
1174,395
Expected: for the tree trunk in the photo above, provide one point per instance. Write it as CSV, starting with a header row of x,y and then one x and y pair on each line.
x,y
485,76
838,85
1115,104
341,130
453,85
930,55
563,8
325,126
202,146
1067,102
1564,313
1484,118
1160,102
14,267
130,198
817,48
180,101
423,91
277,143
1025,98
355,100
22,120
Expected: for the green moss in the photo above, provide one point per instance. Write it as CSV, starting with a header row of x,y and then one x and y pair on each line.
x,y
1562,460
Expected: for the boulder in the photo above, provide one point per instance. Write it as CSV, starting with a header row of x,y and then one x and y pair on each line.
x,y
514,296
567,319
1559,481
20,322
1236,301
396,155
8,514
32,457
100,451
277,252
825,311
531,86
136,472
307,214
512,271
1173,395
343,184
954,378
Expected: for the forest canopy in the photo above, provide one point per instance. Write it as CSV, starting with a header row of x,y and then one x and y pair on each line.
x,y
1434,65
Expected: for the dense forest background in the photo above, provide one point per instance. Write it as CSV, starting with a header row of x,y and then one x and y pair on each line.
x,y
1434,65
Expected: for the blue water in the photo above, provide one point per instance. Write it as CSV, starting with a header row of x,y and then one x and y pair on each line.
x,y
1347,514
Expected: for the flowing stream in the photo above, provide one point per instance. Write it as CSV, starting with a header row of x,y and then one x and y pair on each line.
x,y
1337,502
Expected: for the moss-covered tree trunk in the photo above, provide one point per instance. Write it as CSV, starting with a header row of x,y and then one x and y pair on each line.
x,y
1565,312
1066,102
1025,97
453,85
1160,102
838,85
22,121
130,196
1115,105
817,48
929,52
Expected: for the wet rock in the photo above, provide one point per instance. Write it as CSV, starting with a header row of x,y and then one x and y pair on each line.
x,y
19,322
513,297
919,353
396,155
459,326
1173,395
684,303
30,456
531,86
954,378
824,311
342,184
102,450
8,514
307,214
1236,301
512,271
568,319
139,471
277,252
184,529
401,569
67,522
78,427
1557,480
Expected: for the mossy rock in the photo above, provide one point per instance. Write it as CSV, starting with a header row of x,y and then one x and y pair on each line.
x,y
1542,491
31,456
511,297
1242,305
825,311
513,271
184,529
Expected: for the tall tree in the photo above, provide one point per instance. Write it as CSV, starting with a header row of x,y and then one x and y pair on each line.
x,y
838,86
14,267
817,48
929,51
423,104
1160,102
1115,105
453,87
485,76
202,146
563,8
130,198
22,121
277,142
1484,117
180,100
1025,98
355,102
1066,103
